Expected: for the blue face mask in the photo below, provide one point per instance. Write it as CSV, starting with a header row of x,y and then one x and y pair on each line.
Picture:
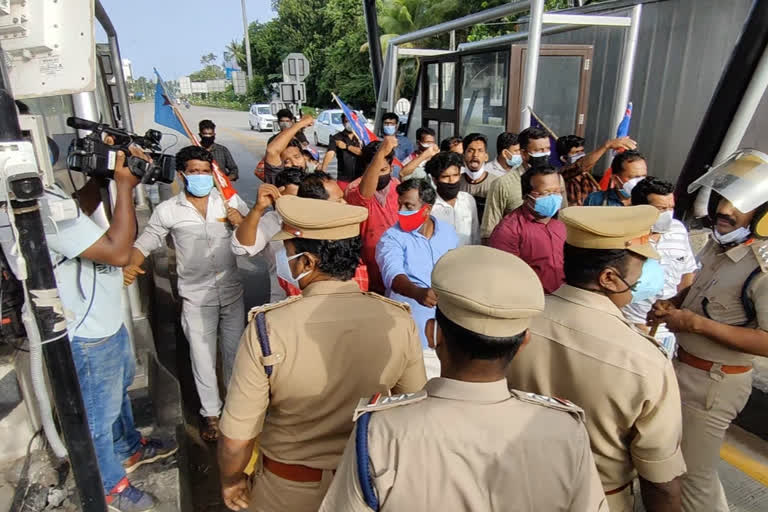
x,y
548,206
199,185
389,129
515,161
650,283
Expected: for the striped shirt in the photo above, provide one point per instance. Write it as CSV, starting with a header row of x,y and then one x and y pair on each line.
x,y
677,259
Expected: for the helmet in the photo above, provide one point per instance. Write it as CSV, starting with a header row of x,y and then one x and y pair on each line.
x,y
742,179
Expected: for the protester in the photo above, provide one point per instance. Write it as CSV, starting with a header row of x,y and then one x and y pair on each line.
x,y
86,260
467,427
285,120
413,165
304,362
583,350
628,169
285,151
670,239
531,232
505,194
453,206
577,166
453,144
221,154
475,179
376,190
407,253
720,322
508,155
209,282
390,125
347,147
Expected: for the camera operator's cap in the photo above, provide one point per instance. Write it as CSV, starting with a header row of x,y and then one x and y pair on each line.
x,y
487,291
317,219
611,227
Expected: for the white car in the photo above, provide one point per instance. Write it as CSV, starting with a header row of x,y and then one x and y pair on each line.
x,y
328,123
260,118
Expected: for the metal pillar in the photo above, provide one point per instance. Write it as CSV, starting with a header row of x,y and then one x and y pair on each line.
x,y
374,44
247,42
725,103
531,62
627,67
393,77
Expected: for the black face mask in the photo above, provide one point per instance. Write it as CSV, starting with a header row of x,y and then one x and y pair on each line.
x,y
537,161
207,141
383,181
448,191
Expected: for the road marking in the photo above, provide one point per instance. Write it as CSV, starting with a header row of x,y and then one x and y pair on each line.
x,y
744,463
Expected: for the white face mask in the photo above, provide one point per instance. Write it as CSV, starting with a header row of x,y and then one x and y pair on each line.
x,y
664,222
474,175
575,158
629,185
734,237
284,269
426,145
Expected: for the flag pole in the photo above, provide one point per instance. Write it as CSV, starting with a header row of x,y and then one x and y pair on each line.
x,y
543,124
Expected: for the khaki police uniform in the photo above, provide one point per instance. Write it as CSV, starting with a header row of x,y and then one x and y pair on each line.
x,y
471,446
716,381
583,349
326,348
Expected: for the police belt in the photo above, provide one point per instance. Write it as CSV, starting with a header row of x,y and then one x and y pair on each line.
x,y
293,472
702,364
619,489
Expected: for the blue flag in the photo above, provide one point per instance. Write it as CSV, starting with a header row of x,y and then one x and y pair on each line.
x,y
623,130
165,112
362,131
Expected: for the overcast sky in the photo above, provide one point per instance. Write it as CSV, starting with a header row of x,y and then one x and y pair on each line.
x,y
172,35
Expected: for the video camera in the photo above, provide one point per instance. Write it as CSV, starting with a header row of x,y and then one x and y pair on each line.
x,y
94,157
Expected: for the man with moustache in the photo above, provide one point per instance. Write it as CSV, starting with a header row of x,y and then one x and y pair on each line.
x,y
476,180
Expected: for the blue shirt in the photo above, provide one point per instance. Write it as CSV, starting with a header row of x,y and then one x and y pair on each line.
x,y
597,198
414,255
404,147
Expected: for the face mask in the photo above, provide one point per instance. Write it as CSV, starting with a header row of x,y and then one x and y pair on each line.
x,y
199,185
734,237
575,158
448,191
538,159
514,161
283,269
626,188
389,129
426,145
650,283
474,175
311,167
411,221
348,127
664,222
207,141
548,206
383,181
284,125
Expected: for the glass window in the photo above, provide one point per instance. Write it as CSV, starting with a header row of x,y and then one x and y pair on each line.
x,y
449,87
265,111
446,130
434,125
336,118
557,100
433,85
483,94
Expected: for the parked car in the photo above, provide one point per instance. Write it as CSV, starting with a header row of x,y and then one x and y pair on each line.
x,y
260,117
329,123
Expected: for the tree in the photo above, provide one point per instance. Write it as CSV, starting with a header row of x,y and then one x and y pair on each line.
x,y
208,59
236,51
209,72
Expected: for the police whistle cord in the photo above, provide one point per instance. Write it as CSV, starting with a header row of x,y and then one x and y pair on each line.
x,y
65,387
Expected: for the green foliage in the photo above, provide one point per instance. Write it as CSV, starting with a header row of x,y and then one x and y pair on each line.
x,y
207,59
209,72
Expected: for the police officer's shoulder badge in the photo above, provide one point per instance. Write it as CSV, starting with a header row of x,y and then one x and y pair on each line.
x,y
401,305
561,404
272,305
379,402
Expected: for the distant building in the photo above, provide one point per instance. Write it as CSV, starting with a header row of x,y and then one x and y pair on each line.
x,y
128,70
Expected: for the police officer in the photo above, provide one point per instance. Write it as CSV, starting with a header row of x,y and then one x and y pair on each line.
x,y
303,363
583,349
468,442
721,321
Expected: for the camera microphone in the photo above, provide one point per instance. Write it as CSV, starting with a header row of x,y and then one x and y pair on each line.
x,y
79,123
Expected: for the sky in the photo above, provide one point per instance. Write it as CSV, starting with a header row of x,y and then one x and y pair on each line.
x,y
172,35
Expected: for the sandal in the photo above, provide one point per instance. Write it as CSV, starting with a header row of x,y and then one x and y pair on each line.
x,y
210,429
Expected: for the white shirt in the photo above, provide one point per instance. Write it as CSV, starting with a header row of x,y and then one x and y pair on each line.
x,y
269,225
207,268
677,259
462,216
495,168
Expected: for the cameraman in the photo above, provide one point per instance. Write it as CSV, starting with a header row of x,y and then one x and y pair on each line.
x,y
86,258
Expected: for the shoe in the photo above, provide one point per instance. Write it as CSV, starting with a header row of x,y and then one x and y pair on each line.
x,y
126,498
151,450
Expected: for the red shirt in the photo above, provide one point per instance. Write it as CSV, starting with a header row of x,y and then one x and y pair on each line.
x,y
382,215
539,245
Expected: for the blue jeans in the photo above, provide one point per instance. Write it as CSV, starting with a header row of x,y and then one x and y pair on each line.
x,y
105,368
